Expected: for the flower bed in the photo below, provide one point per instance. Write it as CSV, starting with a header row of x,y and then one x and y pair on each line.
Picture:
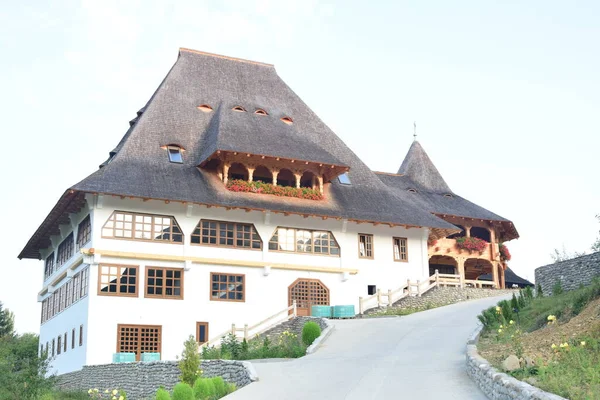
x,y
471,244
504,253
238,185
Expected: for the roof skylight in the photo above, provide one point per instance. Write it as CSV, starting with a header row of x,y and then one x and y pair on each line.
x,y
260,111
239,109
287,120
175,155
344,179
448,195
205,108
412,190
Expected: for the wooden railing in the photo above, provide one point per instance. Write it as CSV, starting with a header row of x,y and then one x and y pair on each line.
x,y
417,288
249,331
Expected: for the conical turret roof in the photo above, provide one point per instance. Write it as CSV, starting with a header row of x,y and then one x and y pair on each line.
x,y
418,167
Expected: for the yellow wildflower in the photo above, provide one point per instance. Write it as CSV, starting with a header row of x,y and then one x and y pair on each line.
x,y
511,322
106,391
90,391
499,330
114,392
583,343
121,398
501,326
96,390
553,346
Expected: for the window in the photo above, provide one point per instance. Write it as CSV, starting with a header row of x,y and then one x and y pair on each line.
x,y
56,297
412,190
227,234
365,245
65,250
117,280
304,241
85,275
53,347
400,249
69,293
73,338
84,232
205,108
139,339
59,344
44,308
239,109
227,287
344,179
202,332
49,268
76,287
260,111
166,283
146,227
80,335
63,297
448,196
175,155
287,120
65,343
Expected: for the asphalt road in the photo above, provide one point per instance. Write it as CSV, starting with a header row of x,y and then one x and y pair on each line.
x,y
420,356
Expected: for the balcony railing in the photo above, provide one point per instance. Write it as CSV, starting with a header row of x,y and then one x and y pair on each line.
x,y
447,247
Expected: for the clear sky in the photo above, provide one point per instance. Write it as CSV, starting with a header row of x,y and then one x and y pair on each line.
x,y
505,96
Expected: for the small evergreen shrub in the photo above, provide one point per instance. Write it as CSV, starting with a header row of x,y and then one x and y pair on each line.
x,y
539,293
514,303
162,394
220,387
202,389
310,331
190,362
183,391
557,288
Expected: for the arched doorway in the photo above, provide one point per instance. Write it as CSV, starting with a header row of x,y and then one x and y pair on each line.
x,y
476,267
444,265
307,180
307,293
238,171
262,174
286,178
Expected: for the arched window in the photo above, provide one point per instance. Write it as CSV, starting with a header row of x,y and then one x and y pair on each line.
x,y
287,120
262,174
260,111
481,233
238,171
205,108
307,180
286,178
239,109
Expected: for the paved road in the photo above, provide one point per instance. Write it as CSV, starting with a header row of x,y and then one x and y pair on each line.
x,y
421,356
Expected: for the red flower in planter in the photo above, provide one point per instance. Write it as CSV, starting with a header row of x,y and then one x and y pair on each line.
x,y
504,253
238,185
471,244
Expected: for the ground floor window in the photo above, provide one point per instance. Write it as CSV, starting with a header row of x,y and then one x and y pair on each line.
x,y
139,339
201,332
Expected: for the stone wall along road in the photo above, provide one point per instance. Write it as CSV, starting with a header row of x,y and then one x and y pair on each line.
x,y
571,273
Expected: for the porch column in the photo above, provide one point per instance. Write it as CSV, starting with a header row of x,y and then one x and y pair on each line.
x,y
461,270
467,231
502,277
320,179
313,182
298,176
250,174
275,173
225,172
495,274
494,246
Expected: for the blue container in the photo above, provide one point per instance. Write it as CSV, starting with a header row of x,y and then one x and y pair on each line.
x,y
123,357
150,357
343,312
321,311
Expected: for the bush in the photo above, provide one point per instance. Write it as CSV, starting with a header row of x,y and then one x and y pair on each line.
x,y
190,362
220,387
183,391
231,347
539,292
310,331
557,288
204,388
162,394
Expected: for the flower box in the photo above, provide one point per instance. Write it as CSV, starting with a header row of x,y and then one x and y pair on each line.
x,y
471,244
238,185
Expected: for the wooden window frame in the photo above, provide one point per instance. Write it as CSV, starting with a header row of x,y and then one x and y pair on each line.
x,y
65,251
243,300
134,224
372,239
198,325
312,233
139,341
84,232
236,229
80,335
119,276
164,286
49,266
400,253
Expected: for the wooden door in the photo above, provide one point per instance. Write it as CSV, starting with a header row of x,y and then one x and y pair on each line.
x,y
139,339
308,293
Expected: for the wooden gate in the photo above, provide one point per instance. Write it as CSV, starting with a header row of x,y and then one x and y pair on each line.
x,y
308,293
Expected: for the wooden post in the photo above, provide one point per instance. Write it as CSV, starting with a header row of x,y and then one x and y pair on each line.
x,y
408,286
360,305
298,176
233,329
418,288
275,173
495,274
225,172
246,331
378,297
437,278
461,271
467,231
295,313
250,174
389,297
320,179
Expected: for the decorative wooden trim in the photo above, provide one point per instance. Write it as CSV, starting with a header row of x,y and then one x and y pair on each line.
x,y
366,256
205,324
211,298
221,261
118,294
399,248
164,287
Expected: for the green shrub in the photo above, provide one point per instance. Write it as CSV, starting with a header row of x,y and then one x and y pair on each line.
x,y
190,361
557,288
183,391
202,389
529,293
310,331
231,348
162,394
220,387
507,311
230,387
539,293
514,303
210,353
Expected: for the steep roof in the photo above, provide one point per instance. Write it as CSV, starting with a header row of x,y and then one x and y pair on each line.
x,y
418,167
139,166
509,278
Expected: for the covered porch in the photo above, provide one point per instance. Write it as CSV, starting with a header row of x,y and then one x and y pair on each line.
x,y
467,271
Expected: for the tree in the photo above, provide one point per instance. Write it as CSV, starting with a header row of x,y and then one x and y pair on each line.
x,y
558,255
596,245
7,322
189,365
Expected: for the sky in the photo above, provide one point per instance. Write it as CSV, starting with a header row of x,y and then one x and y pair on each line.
x,y
505,96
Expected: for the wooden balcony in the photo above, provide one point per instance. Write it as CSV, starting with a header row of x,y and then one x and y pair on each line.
x,y
447,247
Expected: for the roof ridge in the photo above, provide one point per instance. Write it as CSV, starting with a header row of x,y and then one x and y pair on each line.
x,y
204,53
387,173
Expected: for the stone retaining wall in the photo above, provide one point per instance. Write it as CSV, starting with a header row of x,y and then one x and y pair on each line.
x,y
497,385
571,273
294,325
141,379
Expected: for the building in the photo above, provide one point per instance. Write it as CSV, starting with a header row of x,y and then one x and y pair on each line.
x,y
227,200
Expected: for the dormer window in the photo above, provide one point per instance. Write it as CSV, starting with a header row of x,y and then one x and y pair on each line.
x,y
412,190
344,179
175,155
448,196
260,111
205,108
239,109
287,120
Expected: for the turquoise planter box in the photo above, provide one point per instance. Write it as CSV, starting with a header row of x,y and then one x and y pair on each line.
x,y
343,312
150,357
123,357
321,311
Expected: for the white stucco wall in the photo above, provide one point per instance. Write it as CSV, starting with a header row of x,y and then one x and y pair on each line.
x,y
265,294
